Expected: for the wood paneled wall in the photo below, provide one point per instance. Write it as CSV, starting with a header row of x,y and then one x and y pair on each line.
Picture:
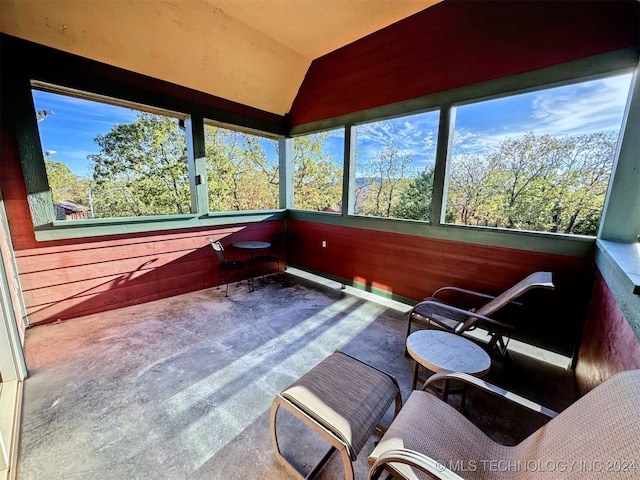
x,y
458,43
62,280
414,267
609,345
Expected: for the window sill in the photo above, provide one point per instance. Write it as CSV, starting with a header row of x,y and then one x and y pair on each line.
x,y
622,261
62,230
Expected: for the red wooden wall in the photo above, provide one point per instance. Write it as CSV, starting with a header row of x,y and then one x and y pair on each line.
x,y
62,280
609,345
457,43
414,267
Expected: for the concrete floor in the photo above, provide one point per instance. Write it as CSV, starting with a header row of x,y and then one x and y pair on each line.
x,y
181,388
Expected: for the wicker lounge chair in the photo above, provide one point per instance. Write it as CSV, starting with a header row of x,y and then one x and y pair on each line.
x,y
434,313
595,438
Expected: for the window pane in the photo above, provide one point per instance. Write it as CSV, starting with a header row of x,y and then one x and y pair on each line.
x,y
394,167
110,161
242,170
539,161
317,162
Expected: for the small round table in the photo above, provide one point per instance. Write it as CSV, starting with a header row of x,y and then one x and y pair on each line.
x,y
252,246
441,351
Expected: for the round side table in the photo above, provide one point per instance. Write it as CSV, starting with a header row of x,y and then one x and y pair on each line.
x,y
440,351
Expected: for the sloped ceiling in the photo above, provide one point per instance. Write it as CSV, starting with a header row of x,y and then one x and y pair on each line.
x,y
254,52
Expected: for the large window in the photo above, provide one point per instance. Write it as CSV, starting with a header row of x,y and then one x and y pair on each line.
x,y
318,165
539,161
394,167
242,170
111,161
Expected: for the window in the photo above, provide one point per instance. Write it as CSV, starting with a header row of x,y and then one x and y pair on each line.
x,y
242,170
104,160
394,167
318,165
539,161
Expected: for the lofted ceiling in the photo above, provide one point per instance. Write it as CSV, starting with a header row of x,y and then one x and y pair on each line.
x,y
254,52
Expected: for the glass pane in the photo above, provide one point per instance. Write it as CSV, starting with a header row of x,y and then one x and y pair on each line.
x,y
394,167
318,163
110,161
242,170
539,161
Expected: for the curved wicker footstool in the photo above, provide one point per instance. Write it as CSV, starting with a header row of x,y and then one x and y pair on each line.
x,y
343,400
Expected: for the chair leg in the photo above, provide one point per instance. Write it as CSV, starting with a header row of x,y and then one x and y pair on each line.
x,y
226,292
335,444
406,352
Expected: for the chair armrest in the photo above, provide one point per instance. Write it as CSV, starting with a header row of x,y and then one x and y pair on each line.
x,y
415,460
466,313
492,389
463,290
470,293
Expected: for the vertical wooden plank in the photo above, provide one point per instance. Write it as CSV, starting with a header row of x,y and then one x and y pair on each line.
x,y
441,169
349,171
285,148
196,157
621,213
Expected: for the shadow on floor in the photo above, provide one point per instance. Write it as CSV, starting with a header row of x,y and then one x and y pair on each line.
x,y
181,388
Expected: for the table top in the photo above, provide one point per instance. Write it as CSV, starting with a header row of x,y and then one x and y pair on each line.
x,y
251,244
439,351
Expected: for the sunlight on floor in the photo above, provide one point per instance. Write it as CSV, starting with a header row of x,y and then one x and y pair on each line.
x,y
522,348
356,292
354,318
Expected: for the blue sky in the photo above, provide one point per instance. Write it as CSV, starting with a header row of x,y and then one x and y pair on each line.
x,y
570,110
562,111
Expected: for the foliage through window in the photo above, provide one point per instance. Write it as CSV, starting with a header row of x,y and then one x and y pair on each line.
x,y
111,161
242,170
539,161
394,167
318,165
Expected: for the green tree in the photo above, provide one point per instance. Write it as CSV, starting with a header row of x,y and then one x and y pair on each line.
x,y
141,169
582,184
383,180
66,185
415,202
521,176
468,193
535,183
317,179
241,176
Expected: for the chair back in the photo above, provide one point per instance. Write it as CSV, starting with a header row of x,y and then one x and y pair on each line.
x,y
219,249
535,280
603,426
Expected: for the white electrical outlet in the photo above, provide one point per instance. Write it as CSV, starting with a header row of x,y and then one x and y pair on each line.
x,y
324,244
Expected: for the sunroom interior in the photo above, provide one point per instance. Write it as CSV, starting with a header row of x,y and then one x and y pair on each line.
x,y
287,70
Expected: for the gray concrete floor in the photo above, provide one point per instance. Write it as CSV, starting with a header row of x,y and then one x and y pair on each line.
x,y
181,388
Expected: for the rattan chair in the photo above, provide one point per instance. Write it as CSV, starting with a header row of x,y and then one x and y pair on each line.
x,y
595,438
432,312
226,265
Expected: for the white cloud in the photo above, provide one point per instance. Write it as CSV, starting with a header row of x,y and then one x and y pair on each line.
x,y
581,108
414,135
565,111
